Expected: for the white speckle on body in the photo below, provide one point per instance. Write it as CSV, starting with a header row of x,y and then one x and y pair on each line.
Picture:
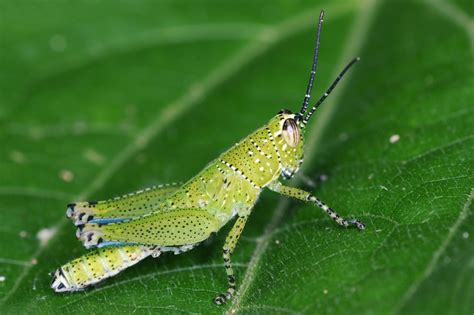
x,y
465,235
66,175
371,176
384,188
34,261
277,242
23,234
394,138
45,235
3,278
323,177
325,291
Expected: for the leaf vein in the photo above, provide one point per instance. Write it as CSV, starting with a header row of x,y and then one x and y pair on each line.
x,y
437,254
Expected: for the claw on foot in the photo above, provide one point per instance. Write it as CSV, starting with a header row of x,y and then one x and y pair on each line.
x,y
80,213
359,225
70,210
89,235
222,298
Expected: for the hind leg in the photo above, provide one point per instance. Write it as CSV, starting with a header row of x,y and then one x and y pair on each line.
x,y
171,228
119,208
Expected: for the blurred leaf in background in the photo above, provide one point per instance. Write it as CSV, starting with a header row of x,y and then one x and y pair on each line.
x,y
99,98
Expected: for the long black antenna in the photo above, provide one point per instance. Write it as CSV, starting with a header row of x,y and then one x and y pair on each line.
x,y
309,88
333,85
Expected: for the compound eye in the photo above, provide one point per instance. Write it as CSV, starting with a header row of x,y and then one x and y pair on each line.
x,y
291,132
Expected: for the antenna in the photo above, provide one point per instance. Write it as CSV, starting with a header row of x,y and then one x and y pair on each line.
x,y
333,85
309,88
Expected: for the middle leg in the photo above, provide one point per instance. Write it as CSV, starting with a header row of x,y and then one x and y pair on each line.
x,y
229,246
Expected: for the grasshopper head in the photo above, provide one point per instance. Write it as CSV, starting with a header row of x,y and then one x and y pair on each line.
x,y
288,135
288,128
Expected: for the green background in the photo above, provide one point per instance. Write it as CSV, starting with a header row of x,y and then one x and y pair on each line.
x,y
99,98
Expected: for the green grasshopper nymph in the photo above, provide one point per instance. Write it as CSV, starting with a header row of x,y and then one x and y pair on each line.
x,y
176,218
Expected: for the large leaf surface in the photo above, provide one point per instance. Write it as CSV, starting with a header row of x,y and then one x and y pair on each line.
x,y
98,99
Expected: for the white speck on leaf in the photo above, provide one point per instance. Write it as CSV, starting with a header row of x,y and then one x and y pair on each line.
x,y
58,43
325,291
343,136
2,278
34,261
277,242
23,234
394,138
36,133
66,175
94,156
323,177
465,235
79,127
384,188
44,235
17,157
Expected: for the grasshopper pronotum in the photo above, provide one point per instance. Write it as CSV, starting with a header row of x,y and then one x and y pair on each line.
x,y
127,229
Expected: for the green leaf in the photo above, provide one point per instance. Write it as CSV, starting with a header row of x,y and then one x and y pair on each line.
x,y
101,98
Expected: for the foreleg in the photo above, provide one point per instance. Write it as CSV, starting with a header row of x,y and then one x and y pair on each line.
x,y
306,196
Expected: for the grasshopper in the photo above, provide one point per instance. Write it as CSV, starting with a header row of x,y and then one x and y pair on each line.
x,y
177,217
